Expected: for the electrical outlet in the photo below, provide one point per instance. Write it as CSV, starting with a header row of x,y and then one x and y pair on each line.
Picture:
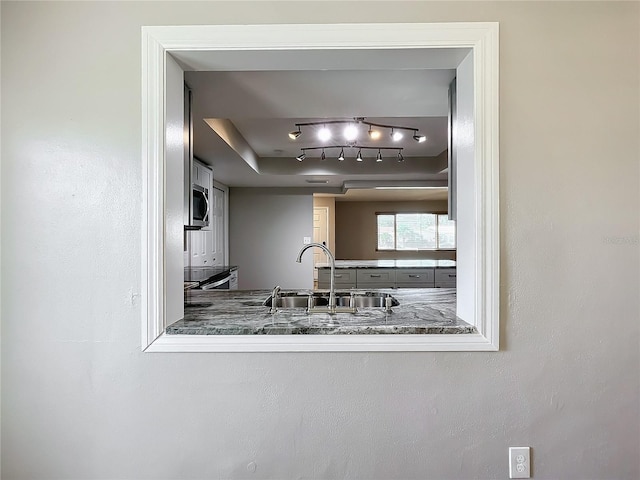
x,y
519,462
306,240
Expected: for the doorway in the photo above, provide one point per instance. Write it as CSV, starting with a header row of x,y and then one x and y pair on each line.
x,y
320,235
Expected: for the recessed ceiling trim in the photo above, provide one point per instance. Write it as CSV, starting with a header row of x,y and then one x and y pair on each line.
x,y
227,131
398,184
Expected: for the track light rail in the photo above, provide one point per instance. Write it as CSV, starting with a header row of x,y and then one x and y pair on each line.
x,y
357,120
341,156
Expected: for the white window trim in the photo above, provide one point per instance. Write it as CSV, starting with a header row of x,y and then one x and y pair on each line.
x,y
395,234
482,38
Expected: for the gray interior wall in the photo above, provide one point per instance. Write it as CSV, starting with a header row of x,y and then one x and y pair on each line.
x,y
79,399
357,229
266,231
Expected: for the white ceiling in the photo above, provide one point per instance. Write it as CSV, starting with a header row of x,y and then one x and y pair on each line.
x,y
264,94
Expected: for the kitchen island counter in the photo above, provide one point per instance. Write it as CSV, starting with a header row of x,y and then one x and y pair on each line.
x,y
241,312
390,264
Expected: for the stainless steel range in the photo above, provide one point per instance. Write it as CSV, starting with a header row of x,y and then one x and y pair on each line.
x,y
209,278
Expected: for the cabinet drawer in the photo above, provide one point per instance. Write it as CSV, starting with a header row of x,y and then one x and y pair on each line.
x,y
376,277
414,277
345,277
445,277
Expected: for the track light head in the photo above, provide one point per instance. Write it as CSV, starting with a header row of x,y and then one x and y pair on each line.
x,y
359,156
373,134
323,156
341,156
400,157
295,134
301,157
324,134
379,156
350,132
396,136
419,138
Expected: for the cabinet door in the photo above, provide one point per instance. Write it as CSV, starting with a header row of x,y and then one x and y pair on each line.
x,y
445,278
202,175
414,277
203,242
376,277
345,278
197,247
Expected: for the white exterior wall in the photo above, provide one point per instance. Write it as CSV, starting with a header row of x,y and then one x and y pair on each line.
x,y
79,398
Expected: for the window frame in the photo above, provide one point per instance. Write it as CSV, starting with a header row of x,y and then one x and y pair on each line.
x,y
395,235
484,305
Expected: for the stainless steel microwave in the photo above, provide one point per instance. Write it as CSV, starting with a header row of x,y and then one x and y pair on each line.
x,y
199,206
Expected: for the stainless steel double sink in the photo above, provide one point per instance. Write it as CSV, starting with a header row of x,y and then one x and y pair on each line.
x,y
321,299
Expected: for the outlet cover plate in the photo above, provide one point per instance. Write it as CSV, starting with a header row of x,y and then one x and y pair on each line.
x,y
519,462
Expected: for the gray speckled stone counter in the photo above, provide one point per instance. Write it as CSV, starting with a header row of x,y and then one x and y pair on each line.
x,y
426,263
240,312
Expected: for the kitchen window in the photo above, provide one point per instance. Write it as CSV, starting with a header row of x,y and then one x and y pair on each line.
x,y
415,231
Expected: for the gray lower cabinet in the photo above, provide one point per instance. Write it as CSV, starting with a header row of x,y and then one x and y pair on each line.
x,y
345,277
376,277
389,278
414,278
445,278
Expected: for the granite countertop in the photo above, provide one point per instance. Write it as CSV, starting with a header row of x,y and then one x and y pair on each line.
x,y
390,264
240,312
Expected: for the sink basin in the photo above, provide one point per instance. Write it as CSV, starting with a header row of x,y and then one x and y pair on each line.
x,y
361,300
296,300
366,300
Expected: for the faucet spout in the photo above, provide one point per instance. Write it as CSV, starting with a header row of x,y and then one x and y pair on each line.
x,y
332,290
274,299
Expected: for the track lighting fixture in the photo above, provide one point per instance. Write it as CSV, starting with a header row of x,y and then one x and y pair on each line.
x,y
295,134
341,155
373,134
351,130
324,134
396,136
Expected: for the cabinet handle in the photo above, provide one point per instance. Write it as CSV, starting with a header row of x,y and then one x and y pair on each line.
x,y
338,276
374,276
452,275
414,276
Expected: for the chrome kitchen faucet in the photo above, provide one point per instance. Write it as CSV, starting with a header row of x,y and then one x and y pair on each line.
x,y
332,290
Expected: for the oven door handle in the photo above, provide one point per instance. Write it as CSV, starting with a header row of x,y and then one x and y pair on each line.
x,y
209,286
